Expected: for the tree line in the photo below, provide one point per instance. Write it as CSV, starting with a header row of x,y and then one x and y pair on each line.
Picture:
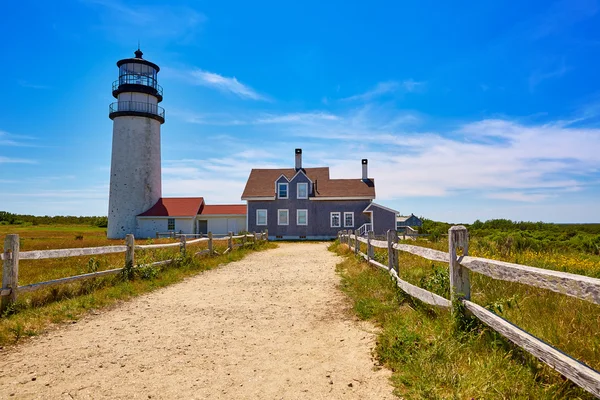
x,y
7,218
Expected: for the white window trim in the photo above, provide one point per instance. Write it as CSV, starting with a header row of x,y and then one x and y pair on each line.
x,y
279,215
298,190
298,214
348,213
339,214
266,216
287,190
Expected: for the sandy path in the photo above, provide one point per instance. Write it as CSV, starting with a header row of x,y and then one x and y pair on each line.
x,y
271,326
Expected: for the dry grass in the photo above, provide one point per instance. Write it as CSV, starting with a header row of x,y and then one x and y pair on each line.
x,y
35,312
433,359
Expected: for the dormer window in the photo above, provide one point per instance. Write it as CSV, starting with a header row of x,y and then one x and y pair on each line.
x,y
282,190
302,190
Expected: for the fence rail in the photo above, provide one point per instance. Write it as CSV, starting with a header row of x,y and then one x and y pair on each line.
x,y
582,287
12,255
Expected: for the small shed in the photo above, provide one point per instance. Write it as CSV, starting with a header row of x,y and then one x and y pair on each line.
x,y
411,221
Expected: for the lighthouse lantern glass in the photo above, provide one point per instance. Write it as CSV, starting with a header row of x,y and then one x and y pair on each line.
x,y
137,73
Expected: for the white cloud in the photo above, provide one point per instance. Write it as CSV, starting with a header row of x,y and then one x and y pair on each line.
x,y
225,84
296,118
383,88
9,160
539,75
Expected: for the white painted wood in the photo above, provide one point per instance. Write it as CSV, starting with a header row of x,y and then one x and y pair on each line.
x,y
40,285
381,244
197,240
10,270
59,253
424,295
579,373
430,254
582,287
362,239
156,246
460,284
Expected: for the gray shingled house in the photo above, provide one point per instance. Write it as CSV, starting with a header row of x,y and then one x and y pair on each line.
x,y
305,203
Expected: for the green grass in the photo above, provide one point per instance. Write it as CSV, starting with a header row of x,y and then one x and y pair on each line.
x,y
431,356
35,312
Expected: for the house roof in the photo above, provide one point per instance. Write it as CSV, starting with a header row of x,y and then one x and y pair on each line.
x,y
373,204
402,218
175,207
223,209
261,183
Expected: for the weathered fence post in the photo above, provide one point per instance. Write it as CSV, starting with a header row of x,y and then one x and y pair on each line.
x,y
345,236
10,271
349,239
182,243
244,239
370,250
254,237
460,286
210,244
230,241
157,235
130,252
392,238
267,235
356,243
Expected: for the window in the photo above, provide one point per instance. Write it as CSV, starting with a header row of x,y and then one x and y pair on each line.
x,y
171,224
261,217
348,219
335,220
282,190
302,190
301,217
283,217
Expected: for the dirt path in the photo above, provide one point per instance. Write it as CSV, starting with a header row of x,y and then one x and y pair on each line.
x,y
271,326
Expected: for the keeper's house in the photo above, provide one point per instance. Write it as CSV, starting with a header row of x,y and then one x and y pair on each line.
x,y
305,203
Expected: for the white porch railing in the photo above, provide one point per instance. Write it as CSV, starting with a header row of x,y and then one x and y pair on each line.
x,y
362,231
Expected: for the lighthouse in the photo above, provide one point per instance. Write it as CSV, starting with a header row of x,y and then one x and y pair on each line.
x,y
135,171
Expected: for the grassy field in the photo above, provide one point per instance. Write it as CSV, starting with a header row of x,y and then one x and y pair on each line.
x,y
431,359
35,312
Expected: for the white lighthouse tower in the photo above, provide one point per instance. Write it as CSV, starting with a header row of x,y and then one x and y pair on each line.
x,y
135,172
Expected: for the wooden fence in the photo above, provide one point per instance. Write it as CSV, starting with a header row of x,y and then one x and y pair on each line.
x,y
582,287
10,289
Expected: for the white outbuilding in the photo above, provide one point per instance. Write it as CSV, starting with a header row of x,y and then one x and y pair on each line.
x,y
190,215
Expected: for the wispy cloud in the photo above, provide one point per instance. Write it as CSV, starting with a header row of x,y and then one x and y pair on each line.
x,y
296,118
8,139
30,85
9,160
539,75
199,77
159,22
225,84
383,88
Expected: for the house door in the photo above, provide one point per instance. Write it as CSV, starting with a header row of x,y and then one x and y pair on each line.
x,y
203,226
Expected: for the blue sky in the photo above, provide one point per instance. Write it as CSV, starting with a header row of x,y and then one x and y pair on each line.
x,y
465,110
